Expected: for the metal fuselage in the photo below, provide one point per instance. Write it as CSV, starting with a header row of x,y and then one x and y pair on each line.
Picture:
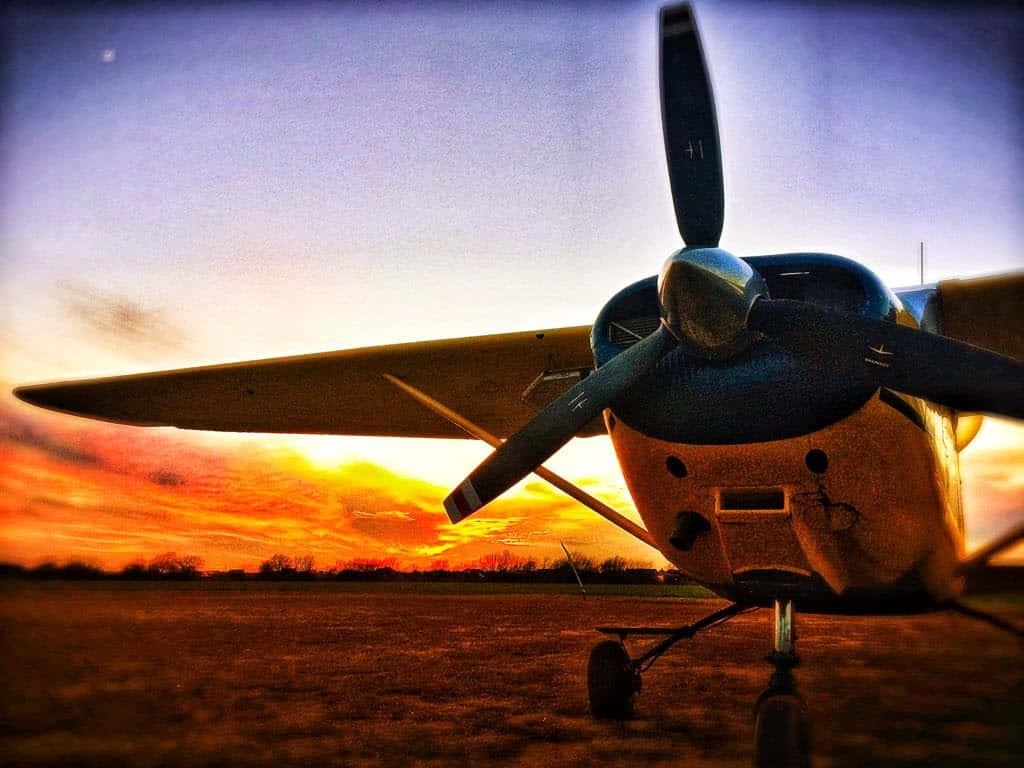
x,y
881,529
763,478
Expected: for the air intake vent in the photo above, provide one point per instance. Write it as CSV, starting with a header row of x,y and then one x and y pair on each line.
x,y
628,331
752,498
752,505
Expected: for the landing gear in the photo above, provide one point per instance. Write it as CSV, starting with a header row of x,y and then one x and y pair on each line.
x,y
781,726
613,679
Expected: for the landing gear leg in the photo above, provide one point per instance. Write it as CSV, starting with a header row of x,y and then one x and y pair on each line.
x,y
613,679
781,727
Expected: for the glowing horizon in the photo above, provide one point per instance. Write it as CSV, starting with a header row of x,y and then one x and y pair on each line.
x,y
112,495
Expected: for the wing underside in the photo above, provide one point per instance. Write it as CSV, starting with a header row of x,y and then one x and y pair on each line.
x,y
497,381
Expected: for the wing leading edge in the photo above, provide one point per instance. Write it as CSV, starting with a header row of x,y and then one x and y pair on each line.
x,y
497,381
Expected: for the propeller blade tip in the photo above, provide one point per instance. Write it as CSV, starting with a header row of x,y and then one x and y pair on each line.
x,y
676,19
462,502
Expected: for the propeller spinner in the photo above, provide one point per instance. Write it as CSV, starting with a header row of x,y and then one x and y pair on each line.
x,y
714,305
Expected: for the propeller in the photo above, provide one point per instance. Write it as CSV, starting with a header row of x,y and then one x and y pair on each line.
x,y
554,426
940,369
714,306
695,175
691,130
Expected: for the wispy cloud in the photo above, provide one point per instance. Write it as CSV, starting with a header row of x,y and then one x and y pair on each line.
x,y
118,320
166,477
16,430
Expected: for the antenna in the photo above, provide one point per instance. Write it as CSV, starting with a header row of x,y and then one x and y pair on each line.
x,y
922,262
576,573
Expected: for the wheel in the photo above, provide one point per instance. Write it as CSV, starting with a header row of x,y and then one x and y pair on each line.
x,y
611,681
781,731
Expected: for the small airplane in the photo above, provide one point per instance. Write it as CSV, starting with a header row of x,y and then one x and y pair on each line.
x,y
787,425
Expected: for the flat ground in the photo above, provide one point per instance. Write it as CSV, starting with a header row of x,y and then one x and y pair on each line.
x,y
110,674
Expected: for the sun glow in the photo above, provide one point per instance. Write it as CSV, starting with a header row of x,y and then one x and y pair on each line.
x,y
323,452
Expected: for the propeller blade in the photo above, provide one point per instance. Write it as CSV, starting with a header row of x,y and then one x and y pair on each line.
x,y
554,426
940,369
691,131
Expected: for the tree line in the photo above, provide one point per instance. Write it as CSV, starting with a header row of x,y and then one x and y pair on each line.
x,y
502,566
166,566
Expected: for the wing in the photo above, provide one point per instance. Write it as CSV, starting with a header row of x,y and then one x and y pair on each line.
x,y
498,382
984,311
987,312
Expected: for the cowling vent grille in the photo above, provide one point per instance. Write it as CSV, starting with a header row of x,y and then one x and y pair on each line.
x,y
628,331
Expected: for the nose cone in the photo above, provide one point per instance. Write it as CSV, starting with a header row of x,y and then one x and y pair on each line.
x,y
705,295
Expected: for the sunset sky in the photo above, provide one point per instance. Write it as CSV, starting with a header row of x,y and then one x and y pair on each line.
x,y
198,185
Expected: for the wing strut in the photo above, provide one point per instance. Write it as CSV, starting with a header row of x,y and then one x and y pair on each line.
x,y
558,481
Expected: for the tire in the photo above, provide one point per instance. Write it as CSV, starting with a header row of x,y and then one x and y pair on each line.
x,y
611,682
781,732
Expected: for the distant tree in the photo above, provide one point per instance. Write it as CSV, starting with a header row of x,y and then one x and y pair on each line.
x,y
505,562
45,570
278,566
614,565
368,565
164,565
79,570
586,566
72,570
280,562
134,571
494,561
581,561
190,565
11,570
170,565
304,564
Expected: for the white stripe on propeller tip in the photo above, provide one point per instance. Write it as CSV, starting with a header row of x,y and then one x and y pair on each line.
x,y
462,502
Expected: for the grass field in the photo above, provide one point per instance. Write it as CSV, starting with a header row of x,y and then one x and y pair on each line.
x,y
355,675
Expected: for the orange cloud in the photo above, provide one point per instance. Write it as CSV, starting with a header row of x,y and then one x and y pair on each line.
x,y
73,489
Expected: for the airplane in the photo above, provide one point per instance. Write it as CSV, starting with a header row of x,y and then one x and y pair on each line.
x,y
787,425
